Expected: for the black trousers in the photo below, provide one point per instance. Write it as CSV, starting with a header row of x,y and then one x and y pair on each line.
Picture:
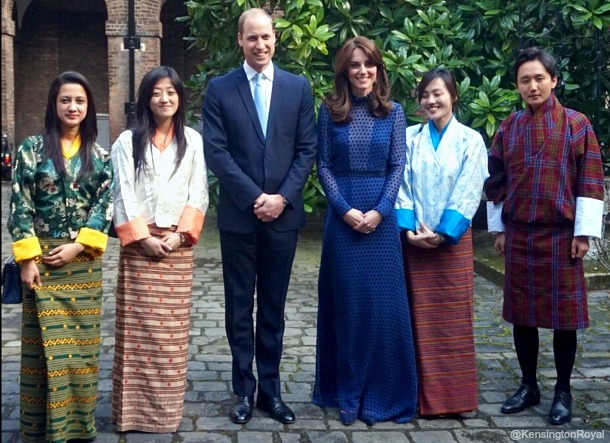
x,y
260,261
564,350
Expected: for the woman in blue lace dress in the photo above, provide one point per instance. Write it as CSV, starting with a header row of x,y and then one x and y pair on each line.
x,y
365,364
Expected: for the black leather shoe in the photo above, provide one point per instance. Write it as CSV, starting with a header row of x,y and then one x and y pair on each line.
x,y
525,397
276,409
561,410
241,411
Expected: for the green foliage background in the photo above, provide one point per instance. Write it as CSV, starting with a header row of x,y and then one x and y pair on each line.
x,y
477,40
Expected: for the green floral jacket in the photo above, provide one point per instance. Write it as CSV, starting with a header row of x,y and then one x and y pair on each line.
x,y
45,205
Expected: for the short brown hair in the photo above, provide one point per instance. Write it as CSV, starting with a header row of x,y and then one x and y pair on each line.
x,y
251,13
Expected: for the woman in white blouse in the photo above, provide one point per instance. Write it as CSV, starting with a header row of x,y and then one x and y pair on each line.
x,y
160,196
445,169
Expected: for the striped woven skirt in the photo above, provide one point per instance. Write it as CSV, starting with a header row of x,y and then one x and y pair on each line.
x,y
441,285
543,286
153,307
60,341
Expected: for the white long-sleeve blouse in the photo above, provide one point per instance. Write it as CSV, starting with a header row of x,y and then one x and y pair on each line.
x,y
158,195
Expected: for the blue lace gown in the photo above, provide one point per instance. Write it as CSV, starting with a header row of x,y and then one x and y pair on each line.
x,y
365,361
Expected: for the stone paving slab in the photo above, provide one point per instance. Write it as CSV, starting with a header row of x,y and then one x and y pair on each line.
x,y
209,379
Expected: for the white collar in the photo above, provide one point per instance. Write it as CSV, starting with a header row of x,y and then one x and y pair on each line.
x,y
251,72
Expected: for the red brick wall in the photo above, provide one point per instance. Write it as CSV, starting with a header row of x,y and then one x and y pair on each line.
x,y
8,79
84,35
148,28
49,43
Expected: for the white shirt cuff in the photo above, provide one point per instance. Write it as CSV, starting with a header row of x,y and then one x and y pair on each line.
x,y
494,217
589,217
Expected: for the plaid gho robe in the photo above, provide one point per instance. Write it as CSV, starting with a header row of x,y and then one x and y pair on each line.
x,y
540,164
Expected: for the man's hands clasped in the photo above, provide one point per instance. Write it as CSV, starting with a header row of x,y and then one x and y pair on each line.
x,y
268,207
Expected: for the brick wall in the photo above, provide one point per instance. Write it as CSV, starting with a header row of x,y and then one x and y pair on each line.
x,y
36,63
86,36
8,80
49,43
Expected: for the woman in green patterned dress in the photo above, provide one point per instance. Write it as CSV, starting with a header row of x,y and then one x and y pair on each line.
x,y
61,208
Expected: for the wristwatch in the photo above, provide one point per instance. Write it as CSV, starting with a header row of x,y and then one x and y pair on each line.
x,y
285,200
182,238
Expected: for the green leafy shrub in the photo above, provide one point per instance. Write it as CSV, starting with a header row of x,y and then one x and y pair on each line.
x,y
476,40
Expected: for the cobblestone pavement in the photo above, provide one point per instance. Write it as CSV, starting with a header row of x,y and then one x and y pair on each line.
x,y
209,386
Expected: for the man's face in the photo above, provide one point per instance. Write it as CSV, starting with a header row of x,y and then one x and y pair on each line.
x,y
535,84
257,41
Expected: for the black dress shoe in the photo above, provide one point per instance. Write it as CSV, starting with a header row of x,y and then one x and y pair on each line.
x,y
561,410
241,411
525,397
276,409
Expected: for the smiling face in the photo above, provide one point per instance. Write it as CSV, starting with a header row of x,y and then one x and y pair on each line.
x,y
71,105
534,83
164,101
362,73
437,103
257,41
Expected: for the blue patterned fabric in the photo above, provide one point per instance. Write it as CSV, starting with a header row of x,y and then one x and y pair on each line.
x,y
365,363
442,185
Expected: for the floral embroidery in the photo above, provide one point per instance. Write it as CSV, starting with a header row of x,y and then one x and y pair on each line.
x,y
45,205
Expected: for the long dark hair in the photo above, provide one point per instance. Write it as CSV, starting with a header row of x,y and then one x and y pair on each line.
x,y
51,134
340,102
145,125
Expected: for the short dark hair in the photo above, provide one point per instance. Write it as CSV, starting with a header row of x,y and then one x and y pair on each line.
x,y
447,78
530,54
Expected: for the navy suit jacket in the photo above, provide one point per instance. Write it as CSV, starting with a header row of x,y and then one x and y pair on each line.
x,y
245,163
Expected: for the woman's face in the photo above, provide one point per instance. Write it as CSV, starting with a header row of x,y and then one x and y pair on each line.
x,y
71,105
437,103
362,73
164,101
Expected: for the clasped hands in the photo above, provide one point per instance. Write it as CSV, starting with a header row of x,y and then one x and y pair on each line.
x,y
424,237
365,223
57,257
268,207
161,247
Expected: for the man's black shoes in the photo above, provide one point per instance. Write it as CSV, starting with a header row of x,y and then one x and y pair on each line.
x,y
525,397
561,410
241,411
276,409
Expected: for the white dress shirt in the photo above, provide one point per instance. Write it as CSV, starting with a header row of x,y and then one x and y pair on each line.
x,y
267,82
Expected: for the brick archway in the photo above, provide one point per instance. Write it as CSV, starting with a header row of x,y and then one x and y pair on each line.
x,y
149,29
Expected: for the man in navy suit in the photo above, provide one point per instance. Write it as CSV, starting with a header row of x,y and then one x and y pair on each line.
x,y
262,163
